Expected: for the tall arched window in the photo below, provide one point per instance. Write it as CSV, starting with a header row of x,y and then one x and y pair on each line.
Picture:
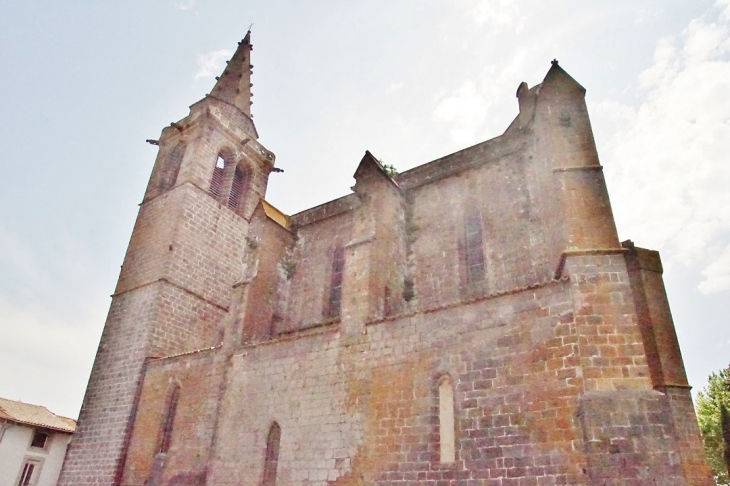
x,y
272,455
447,432
217,180
237,188
387,302
338,268
169,420
474,251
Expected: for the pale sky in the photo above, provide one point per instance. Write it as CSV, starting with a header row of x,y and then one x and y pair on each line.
x,y
84,83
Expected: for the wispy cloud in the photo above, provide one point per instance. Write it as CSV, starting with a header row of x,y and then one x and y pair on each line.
x,y
668,157
466,111
646,15
717,274
211,64
185,5
498,15
393,87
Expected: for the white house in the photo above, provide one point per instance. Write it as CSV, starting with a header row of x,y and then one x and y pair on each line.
x,y
33,444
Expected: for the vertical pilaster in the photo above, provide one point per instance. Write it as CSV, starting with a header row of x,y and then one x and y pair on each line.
x,y
665,358
375,257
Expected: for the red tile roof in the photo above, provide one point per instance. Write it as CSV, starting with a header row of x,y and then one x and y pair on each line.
x,y
35,415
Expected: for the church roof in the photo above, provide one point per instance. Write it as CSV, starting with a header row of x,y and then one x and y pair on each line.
x,y
276,215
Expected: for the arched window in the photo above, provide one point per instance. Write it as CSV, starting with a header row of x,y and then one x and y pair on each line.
x,y
338,268
217,180
236,189
171,169
387,302
447,432
474,251
169,420
272,455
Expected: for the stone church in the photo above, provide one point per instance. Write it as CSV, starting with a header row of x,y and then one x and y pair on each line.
x,y
473,321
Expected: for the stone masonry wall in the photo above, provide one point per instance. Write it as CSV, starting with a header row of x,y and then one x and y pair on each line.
x,y
272,242
175,286
365,409
94,452
612,352
313,254
208,247
692,451
192,434
629,439
501,193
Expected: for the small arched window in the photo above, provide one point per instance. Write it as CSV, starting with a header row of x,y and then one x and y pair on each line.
x,y
447,432
271,461
237,188
169,420
474,250
216,182
338,269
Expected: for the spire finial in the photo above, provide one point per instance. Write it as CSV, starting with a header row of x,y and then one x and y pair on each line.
x,y
554,62
234,85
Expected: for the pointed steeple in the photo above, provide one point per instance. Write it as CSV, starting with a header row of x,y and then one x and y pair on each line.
x,y
234,85
557,78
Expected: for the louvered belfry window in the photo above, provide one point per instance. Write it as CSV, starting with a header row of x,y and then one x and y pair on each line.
x,y
217,180
236,189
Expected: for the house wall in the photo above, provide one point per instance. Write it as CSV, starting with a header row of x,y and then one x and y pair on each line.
x,y
15,448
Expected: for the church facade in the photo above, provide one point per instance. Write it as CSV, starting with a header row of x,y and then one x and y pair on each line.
x,y
473,321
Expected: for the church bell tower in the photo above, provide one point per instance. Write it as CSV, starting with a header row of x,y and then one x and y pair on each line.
x,y
185,253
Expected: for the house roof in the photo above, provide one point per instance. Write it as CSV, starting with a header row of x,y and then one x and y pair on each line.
x,y
35,415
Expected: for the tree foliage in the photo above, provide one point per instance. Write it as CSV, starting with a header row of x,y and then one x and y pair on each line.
x,y
388,168
713,403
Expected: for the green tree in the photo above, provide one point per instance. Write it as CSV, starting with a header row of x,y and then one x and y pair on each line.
x,y
713,403
388,168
